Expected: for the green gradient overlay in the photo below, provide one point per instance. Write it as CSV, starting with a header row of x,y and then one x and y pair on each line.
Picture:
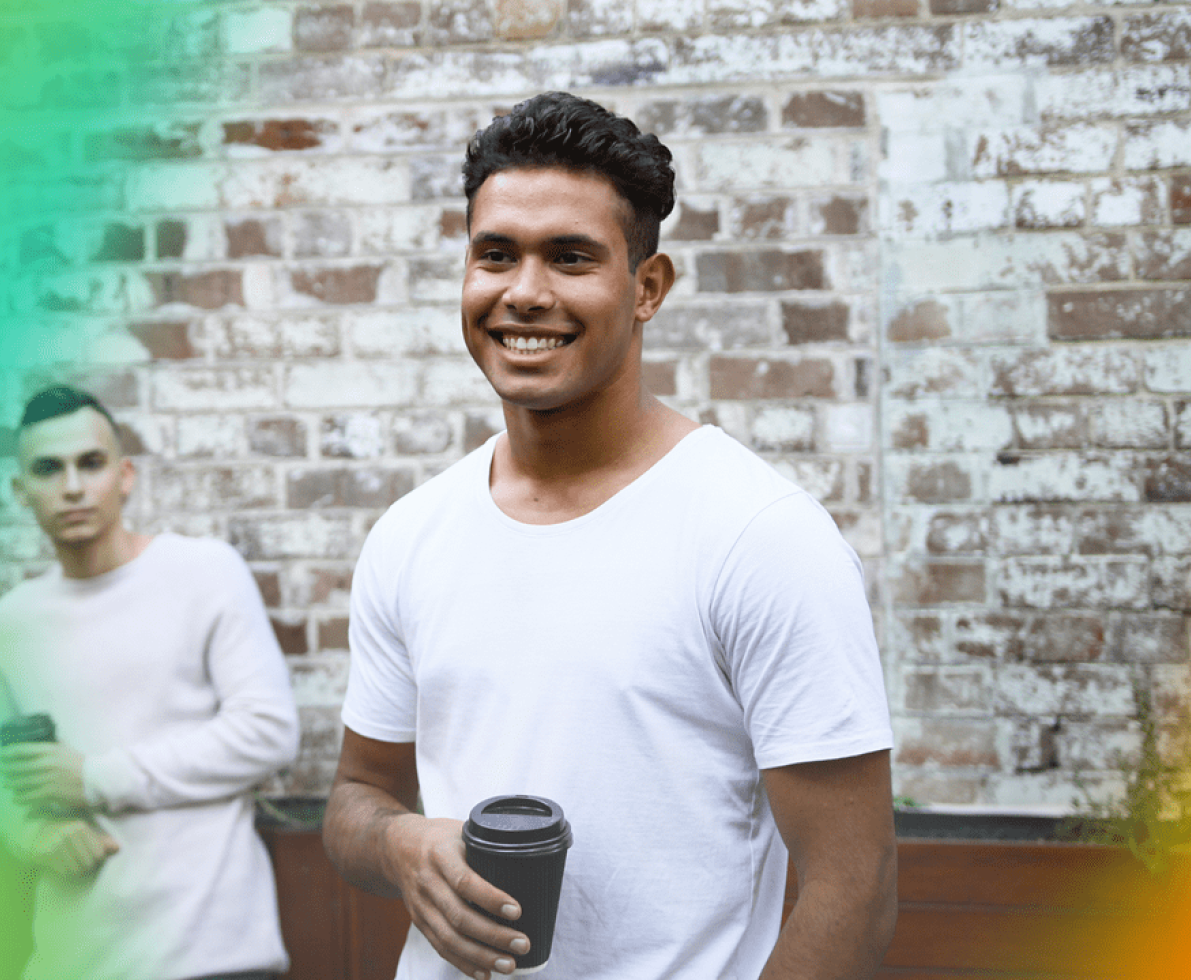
x,y
71,73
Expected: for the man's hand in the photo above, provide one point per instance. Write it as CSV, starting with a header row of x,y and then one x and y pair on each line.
x,y
379,843
69,848
426,860
43,774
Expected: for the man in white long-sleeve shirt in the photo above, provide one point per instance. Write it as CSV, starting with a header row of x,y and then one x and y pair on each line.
x,y
155,659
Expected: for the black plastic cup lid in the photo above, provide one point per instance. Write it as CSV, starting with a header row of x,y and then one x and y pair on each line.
x,y
513,820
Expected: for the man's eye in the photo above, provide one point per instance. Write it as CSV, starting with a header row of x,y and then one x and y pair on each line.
x,y
495,255
92,463
571,258
44,467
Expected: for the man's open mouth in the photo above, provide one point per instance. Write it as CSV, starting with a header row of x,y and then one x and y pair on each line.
x,y
529,344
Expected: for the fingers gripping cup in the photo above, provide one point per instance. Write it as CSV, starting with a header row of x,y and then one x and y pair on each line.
x,y
519,844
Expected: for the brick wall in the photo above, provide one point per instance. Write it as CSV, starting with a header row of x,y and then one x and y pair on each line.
x,y
934,262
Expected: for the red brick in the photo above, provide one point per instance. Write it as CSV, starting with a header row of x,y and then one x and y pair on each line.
x,y
1157,37
1164,255
948,742
329,583
171,239
268,583
1151,639
346,487
924,635
165,340
206,290
323,28
839,216
761,271
1135,314
332,633
355,284
1180,199
831,109
957,534
121,243
1064,637
1048,425
771,218
1113,531
806,323
948,689
278,134
459,22
989,635
277,436
925,320
321,233
291,635
747,377
172,142
932,583
1168,479
384,25
937,482
912,432
116,388
963,6
253,236
694,225
862,9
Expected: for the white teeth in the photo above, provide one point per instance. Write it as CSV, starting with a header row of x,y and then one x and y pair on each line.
x,y
531,343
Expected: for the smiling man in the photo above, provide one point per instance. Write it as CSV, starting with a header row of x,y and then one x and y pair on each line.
x,y
155,659
616,608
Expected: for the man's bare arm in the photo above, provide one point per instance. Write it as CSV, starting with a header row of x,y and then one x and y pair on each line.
x,y
378,841
836,818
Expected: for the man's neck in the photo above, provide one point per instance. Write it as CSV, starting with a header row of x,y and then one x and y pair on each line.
x,y
91,558
558,466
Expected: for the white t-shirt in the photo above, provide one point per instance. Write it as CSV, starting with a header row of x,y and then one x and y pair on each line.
x,y
166,674
639,665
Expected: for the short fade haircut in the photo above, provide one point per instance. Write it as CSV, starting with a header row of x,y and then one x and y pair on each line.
x,y
56,400
557,129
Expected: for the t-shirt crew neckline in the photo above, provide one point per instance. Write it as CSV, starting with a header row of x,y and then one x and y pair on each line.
x,y
617,500
96,582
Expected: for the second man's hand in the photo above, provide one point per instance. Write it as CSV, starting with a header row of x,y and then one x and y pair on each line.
x,y
427,862
43,774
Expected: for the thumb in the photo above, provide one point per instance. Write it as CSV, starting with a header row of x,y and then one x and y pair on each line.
x,y
110,845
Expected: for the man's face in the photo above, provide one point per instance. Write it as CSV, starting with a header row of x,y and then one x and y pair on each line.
x,y
73,477
551,311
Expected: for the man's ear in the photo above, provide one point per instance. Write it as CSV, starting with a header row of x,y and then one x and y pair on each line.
x,y
655,275
18,491
127,478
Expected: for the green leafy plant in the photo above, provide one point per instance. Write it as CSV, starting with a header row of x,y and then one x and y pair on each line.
x,y
1153,816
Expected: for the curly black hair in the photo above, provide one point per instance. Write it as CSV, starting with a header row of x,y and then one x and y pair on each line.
x,y
557,129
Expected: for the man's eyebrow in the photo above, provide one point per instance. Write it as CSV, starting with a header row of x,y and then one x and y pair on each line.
x,y
557,241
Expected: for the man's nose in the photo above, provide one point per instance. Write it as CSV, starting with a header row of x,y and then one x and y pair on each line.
x,y
529,287
72,484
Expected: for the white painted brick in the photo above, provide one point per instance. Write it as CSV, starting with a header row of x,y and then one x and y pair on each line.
x,y
1077,148
1030,529
1065,477
1167,368
282,183
933,371
958,426
1083,689
116,347
1134,90
221,436
1158,145
355,436
401,229
1129,424
1131,201
1000,317
990,261
1042,204
258,286
914,158
257,31
847,428
999,100
778,427
407,330
743,166
199,389
317,680
1023,42
351,384
454,382
945,208
182,186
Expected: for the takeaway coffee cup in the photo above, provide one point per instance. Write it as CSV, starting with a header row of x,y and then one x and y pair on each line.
x,y
519,844
27,728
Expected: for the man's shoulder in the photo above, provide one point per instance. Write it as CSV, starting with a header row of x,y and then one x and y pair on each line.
x,y
726,473
441,494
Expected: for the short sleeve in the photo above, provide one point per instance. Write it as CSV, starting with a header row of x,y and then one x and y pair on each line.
x,y
381,699
791,616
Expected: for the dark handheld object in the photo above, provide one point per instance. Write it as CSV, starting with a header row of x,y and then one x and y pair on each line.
x,y
519,844
27,728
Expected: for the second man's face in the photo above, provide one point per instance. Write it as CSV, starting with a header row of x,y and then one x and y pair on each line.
x,y
551,311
